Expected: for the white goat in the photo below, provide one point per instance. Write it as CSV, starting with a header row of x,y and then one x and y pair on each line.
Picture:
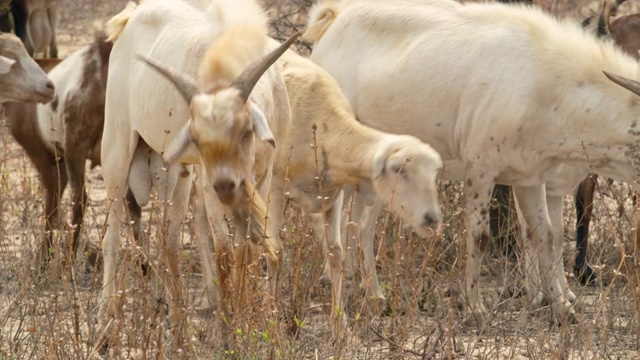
x,y
214,127
21,79
508,91
327,142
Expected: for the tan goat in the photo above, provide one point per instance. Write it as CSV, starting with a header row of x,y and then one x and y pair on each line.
x,y
326,142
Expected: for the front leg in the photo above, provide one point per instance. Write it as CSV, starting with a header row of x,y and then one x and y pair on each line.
x,y
533,205
335,257
174,193
532,282
275,205
366,231
478,189
555,206
210,298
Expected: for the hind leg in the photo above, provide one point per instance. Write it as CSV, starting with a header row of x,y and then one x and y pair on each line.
x,y
584,208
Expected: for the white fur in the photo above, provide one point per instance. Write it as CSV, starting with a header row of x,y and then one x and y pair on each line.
x,y
142,105
348,153
67,76
21,79
510,92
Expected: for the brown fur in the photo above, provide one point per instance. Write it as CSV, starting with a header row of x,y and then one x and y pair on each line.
x,y
83,117
625,31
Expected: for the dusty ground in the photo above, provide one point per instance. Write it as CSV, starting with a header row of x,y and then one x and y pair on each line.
x,y
52,313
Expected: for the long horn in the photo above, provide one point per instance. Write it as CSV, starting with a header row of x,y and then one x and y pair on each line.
x,y
185,84
250,76
631,85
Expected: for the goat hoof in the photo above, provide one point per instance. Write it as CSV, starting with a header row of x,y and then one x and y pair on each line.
x,y
93,259
586,275
511,292
207,304
570,318
538,300
565,313
372,292
477,316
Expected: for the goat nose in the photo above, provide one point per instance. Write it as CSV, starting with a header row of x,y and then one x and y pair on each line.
x,y
225,190
50,85
431,220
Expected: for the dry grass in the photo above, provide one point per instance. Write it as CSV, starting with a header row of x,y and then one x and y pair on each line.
x,y
51,313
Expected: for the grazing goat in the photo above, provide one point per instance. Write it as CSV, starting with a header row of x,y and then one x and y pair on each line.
x,y
398,168
228,122
411,67
66,132
21,79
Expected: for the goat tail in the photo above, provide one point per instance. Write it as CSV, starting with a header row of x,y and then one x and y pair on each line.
x,y
321,17
117,23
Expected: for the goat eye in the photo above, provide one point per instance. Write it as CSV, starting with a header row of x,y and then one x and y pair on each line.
x,y
396,169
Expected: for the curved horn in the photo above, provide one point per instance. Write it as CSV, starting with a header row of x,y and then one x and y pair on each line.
x,y
250,76
186,85
631,85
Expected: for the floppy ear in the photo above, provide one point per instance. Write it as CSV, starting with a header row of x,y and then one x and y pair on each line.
x,y
179,144
5,64
380,161
260,125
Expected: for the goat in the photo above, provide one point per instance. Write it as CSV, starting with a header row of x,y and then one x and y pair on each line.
x,y
41,27
398,168
66,132
624,31
519,126
21,79
211,122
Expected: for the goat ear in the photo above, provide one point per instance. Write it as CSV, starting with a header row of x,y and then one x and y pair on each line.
x,y
319,23
380,161
179,144
260,125
5,64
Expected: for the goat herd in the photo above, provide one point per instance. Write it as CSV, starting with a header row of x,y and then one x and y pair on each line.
x,y
184,89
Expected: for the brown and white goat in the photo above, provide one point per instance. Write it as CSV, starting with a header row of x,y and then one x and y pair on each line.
x,y
61,135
